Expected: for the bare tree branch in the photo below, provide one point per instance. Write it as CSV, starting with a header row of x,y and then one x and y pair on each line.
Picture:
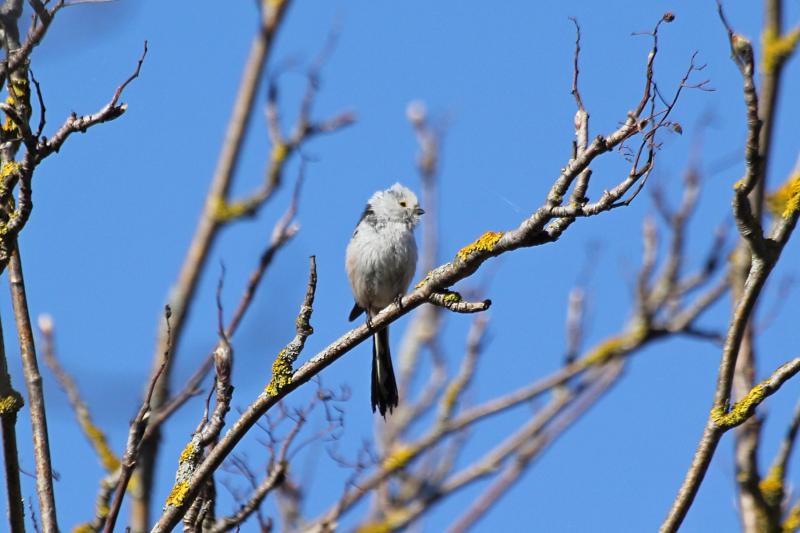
x,y
205,234
10,403
33,379
764,253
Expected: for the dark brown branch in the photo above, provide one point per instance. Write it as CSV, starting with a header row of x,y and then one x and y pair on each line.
x,y
33,379
10,403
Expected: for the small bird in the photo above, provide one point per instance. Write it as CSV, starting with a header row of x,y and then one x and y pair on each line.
x,y
380,262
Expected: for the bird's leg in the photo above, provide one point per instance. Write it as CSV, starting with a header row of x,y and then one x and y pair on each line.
x,y
399,301
369,321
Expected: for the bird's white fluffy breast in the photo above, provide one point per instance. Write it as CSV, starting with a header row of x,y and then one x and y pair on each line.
x,y
380,263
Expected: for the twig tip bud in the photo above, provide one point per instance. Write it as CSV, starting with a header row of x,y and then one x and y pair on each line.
x,y
46,323
416,112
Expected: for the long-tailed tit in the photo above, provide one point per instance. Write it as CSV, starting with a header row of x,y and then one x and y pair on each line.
x,y
381,260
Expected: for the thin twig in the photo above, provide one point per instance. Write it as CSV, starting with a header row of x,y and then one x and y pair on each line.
x,y
137,428
75,123
93,434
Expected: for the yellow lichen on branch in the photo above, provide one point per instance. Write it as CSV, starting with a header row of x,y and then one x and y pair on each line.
x,y
99,442
224,211
188,453
18,92
187,462
741,410
450,396
178,494
777,49
422,282
614,347
485,243
785,201
11,404
451,297
281,374
279,152
792,522
375,527
8,168
771,486
394,519
398,457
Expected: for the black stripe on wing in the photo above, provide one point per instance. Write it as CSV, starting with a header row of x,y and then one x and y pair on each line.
x,y
368,215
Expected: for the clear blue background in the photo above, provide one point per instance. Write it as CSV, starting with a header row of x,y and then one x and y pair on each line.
x,y
115,210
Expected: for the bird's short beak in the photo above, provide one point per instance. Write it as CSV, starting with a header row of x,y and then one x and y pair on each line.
x,y
419,211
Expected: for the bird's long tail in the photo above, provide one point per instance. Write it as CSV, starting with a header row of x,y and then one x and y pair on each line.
x,y
384,386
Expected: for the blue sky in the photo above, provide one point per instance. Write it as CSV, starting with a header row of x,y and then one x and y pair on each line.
x,y
114,212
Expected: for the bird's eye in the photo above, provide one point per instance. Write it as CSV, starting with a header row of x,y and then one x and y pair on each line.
x,y
402,203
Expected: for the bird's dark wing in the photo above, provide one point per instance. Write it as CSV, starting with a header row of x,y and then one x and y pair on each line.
x,y
355,312
368,215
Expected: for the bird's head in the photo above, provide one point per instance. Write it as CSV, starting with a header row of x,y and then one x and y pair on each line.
x,y
397,204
